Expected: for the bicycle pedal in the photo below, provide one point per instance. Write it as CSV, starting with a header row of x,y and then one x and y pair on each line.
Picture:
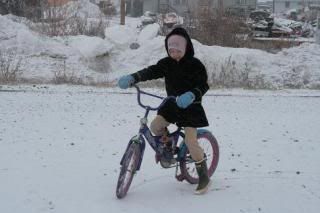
x,y
167,163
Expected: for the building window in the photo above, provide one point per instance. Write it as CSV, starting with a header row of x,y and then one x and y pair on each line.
x,y
203,2
176,2
242,2
287,4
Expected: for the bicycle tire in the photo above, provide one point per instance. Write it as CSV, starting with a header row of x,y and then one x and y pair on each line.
x,y
210,147
128,169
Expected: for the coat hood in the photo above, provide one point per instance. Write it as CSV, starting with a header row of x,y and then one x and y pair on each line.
x,y
181,32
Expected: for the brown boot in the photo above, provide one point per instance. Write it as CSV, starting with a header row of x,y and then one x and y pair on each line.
x,y
204,180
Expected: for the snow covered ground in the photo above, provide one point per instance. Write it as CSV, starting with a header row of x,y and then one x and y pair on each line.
x,y
60,148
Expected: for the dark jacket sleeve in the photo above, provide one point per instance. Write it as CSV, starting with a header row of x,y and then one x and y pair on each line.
x,y
201,82
152,72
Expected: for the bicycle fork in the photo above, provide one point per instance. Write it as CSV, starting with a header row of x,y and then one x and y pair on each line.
x,y
141,142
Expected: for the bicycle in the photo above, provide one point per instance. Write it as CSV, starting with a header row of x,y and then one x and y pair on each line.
x,y
170,154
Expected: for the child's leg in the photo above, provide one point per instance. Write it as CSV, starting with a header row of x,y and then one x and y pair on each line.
x,y
158,125
192,144
198,156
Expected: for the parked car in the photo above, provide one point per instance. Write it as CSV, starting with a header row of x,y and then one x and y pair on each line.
x,y
149,18
262,28
281,31
258,15
107,7
170,19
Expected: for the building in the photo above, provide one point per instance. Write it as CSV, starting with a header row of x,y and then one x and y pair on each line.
x,y
239,7
57,2
243,4
138,7
282,6
266,5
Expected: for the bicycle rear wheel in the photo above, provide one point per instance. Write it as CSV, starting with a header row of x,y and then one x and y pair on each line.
x,y
210,147
128,169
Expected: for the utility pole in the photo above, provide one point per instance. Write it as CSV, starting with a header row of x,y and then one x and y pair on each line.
x,y
318,29
220,8
273,6
122,12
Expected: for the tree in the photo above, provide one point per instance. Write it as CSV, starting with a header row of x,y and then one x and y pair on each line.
x,y
25,8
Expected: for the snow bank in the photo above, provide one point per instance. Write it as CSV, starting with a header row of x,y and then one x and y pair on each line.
x,y
16,35
90,47
82,8
88,9
42,57
148,33
128,61
121,35
295,67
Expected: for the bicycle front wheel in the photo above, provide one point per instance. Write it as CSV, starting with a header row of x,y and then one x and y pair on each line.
x,y
210,147
128,169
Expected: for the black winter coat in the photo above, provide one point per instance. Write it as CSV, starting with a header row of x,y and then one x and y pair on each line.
x,y
189,74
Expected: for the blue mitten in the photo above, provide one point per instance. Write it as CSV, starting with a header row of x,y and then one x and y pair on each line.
x,y
126,81
184,100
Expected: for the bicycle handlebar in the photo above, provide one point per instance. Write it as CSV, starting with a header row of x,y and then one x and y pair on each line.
x,y
139,92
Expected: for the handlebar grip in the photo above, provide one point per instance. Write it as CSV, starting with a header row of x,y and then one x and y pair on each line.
x,y
139,92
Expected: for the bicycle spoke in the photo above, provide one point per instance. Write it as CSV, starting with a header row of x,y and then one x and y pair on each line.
x,y
128,170
211,150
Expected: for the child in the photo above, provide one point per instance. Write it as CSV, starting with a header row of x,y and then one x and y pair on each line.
x,y
186,78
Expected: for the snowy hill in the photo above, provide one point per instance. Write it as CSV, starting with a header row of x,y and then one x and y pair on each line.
x,y
76,55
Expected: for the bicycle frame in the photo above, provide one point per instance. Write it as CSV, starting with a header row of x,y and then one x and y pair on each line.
x,y
145,134
177,156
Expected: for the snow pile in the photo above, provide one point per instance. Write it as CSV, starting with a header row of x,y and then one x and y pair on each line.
x,y
90,47
120,35
148,33
88,9
300,65
270,70
14,35
277,70
42,56
81,8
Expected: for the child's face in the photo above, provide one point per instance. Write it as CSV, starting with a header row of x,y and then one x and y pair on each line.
x,y
175,54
